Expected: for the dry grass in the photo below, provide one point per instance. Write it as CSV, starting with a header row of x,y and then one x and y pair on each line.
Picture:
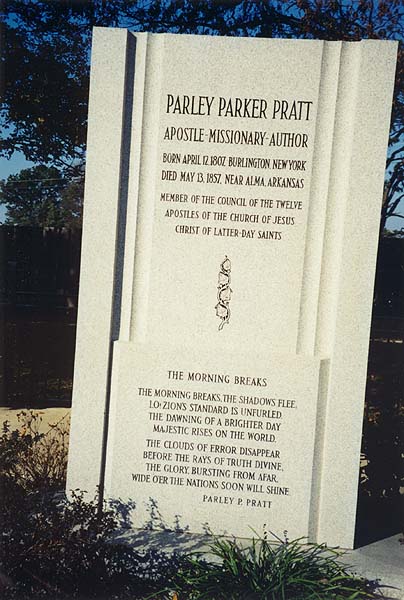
x,y
32,458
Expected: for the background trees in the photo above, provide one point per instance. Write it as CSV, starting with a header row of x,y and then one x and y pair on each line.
x,y
42,196
46,55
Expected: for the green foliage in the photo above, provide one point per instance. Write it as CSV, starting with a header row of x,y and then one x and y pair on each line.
x,y
269,570
44,109
42,196
72,202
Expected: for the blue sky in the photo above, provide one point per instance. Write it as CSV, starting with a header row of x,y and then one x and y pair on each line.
x,y
14,165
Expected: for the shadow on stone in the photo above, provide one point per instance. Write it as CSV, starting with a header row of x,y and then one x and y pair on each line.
x,y
156,535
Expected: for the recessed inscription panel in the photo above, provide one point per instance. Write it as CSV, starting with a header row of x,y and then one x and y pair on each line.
x,y
213,440
231,178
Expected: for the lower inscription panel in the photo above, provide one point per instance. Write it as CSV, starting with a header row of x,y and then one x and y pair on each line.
x,y
224,444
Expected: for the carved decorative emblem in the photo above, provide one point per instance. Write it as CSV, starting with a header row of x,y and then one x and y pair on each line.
x,y
223,293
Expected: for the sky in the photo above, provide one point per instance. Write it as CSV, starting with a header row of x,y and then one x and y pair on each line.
x,y
14,165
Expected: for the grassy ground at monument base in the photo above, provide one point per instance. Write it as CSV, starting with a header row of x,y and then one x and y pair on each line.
x,y
53,548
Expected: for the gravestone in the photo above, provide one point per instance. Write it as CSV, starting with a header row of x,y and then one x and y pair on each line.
x,y
231,216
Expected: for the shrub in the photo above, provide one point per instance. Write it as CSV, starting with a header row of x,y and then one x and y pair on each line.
x,y
57,548
54,547
33,460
